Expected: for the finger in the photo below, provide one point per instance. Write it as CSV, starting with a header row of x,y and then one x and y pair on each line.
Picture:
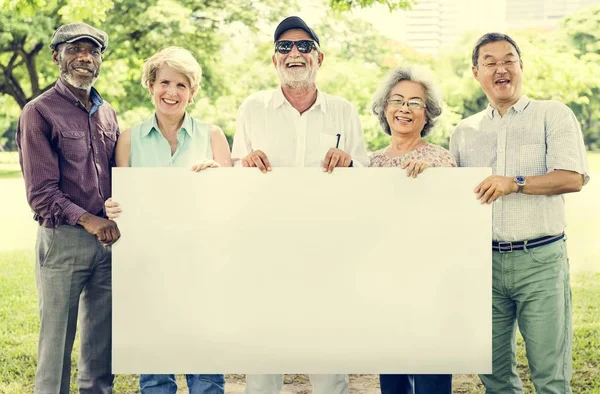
x,y
482,188
494,196
335,158
101,236
410,168
327,159
488,194
205,164
113,213
259,163
423,166
344,160
347,161
416,170
264,159
214,164
485,181
110,203
114,234
247,162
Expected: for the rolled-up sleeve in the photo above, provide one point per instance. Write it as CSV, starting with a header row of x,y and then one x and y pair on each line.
x,y
565,146
39,163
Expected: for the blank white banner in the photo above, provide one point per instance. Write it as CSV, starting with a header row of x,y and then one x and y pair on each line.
x,y
298,271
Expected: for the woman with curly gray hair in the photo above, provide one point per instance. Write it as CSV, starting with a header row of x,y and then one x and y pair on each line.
x,y
407,105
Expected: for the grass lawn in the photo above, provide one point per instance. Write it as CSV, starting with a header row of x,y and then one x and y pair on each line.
x,y
19,332
9,165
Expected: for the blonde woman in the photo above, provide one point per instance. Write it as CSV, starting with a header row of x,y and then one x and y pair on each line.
x,y
172,138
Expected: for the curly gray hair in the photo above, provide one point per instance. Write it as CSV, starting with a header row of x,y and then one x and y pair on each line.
x,y
433,98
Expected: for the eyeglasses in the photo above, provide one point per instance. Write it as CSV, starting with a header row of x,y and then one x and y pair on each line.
x,y
411,104
304,46
506,64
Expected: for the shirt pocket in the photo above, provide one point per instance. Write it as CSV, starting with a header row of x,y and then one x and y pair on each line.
x,y
328,141
109,139
74,144
532,160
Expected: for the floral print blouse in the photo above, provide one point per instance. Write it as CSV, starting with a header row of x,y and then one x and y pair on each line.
x,y
434,155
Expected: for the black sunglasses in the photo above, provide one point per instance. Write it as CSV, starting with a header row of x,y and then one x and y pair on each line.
x,y
304,46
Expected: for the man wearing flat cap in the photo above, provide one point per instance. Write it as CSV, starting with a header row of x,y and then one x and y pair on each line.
x,y
297,125
66,139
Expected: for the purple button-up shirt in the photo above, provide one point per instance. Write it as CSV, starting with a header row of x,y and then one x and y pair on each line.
x,y
66,154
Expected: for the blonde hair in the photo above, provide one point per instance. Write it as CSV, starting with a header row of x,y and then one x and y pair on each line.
x,y
177,58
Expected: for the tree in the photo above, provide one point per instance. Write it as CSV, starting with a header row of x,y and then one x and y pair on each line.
x,y
136,30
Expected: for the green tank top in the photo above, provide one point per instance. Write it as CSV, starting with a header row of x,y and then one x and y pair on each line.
x,y
149,148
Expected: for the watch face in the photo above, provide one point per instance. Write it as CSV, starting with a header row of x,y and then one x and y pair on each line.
x,y
520,180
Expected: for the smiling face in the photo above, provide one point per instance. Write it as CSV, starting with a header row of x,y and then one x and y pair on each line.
x,y
79,63
295,69
404,121
500,82
171,92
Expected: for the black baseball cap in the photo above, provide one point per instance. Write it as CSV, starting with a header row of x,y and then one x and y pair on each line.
x,y
295,22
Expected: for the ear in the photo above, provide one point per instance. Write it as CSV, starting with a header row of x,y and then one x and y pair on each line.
x,y
151,87
475,72
55,57
274,59
320,58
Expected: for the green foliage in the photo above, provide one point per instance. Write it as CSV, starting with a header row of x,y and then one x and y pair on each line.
x,y
344,5
232,41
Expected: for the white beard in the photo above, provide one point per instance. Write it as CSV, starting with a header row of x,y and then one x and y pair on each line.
x,y
297,78
74,81
84,85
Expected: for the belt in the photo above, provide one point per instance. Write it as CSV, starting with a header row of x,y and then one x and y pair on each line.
x,y
507,247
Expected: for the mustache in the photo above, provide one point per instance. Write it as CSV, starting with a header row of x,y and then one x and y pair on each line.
x,y
297,59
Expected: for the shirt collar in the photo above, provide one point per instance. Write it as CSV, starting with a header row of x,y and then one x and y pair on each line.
x,y
95,98
185,126
279,99
519,107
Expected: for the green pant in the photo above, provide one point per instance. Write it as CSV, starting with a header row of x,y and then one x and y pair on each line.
x,y
531,289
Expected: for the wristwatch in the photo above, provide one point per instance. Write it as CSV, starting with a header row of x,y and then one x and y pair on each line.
x,y
520,181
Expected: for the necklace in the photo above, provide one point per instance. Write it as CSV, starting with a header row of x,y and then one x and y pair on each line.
x,y
310,105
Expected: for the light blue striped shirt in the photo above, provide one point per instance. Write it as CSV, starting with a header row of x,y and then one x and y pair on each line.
x,y
149,148
532,138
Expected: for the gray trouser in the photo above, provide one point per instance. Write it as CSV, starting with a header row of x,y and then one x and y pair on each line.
x,y
73,271
272,384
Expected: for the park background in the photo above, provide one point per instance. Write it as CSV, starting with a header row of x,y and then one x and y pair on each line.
x,y
232,40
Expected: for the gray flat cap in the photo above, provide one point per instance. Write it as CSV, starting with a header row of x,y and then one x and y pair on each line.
x,y
77,31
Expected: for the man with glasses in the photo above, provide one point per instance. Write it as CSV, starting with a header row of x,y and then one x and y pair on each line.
x,y
537,154
297,125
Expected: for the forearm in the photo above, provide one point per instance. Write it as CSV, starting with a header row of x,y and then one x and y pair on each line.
x,y
553,183
51,204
